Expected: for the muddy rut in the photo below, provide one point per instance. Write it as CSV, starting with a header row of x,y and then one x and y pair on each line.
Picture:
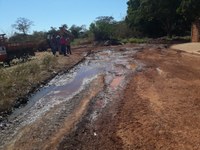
x,y
56,109
159,108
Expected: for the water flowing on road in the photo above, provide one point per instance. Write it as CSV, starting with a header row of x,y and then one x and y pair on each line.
x,y
58,106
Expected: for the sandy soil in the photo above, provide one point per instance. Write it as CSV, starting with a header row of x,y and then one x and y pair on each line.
x,y
188,47
159,108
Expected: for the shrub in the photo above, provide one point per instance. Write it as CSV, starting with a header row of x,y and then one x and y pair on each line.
x,y
49,62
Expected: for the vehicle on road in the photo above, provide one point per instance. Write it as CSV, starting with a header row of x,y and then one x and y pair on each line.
x,y
10,51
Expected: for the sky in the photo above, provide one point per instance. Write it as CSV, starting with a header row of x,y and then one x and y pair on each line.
x,y
54,13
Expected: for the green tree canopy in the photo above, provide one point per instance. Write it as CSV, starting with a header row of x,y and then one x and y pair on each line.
x,y
190,9
103,28
155,17
77,31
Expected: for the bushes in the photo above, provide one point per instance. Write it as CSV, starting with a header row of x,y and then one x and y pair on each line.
x,y
49,62
82,41
135,40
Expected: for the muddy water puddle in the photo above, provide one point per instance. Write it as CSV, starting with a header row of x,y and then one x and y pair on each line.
x,y
56,98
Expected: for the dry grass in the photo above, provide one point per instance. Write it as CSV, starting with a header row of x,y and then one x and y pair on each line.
x,y
18,80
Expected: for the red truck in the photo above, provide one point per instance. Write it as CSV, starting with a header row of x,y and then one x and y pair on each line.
x,y
10,51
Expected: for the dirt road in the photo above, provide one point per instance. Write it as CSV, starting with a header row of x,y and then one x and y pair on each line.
x,y
128,97
159,108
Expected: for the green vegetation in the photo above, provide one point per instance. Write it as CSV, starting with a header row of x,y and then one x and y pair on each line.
x,y
135,40
103,28
82,41
189,9
156,18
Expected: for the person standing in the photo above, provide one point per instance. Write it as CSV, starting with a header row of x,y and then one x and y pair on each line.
x,y
58,43
68,46
53,44
63,44
49,40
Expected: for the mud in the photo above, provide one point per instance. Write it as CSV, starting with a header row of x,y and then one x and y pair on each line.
x,y
55,109
157,110
127,97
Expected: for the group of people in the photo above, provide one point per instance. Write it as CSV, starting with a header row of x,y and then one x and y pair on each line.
x,y
61,44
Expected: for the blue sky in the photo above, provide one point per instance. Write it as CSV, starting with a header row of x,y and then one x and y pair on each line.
x,y
54,13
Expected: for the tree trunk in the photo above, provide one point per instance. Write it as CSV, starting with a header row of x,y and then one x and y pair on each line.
x,y
195,31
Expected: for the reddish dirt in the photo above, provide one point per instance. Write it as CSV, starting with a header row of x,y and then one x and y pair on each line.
x,y
159,109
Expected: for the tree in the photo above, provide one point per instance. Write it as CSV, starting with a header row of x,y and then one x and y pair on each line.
x,y
103,28
23,25
52,31
38,36
154,17
190,9
63,27
77,31
121,30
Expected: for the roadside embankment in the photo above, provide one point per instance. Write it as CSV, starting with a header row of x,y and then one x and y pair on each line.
x,y
19,81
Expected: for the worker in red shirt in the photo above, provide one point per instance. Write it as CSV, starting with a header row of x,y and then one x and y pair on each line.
x,y
63,43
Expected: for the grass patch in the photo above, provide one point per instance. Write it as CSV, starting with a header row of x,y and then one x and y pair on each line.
x,y
135,40
18,80
81,41
186,38
49,62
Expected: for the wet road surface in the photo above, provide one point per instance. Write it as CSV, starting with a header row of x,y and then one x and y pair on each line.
x,y
58,106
